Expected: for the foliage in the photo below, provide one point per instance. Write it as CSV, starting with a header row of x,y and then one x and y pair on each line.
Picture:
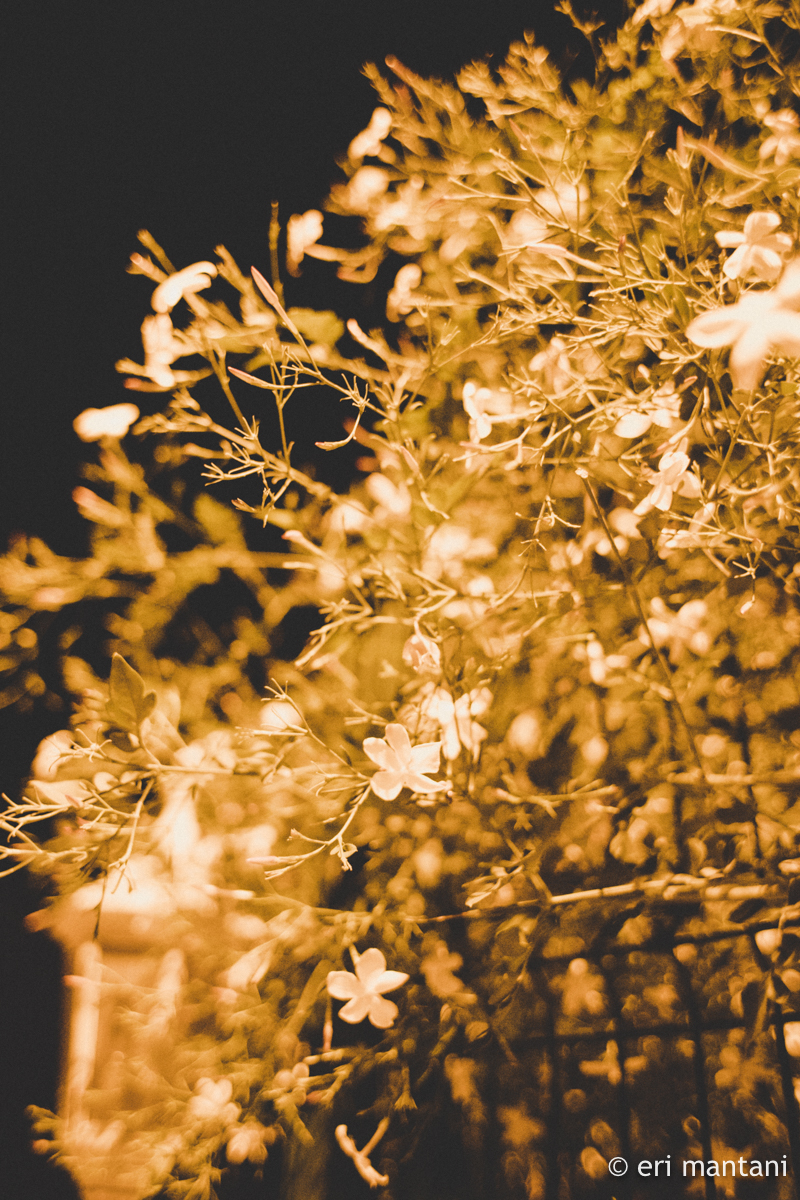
x,y
567,571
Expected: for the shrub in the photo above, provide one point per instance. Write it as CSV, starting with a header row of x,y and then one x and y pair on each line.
x,y
557,609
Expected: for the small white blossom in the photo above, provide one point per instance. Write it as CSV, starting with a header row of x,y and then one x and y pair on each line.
x,y
699,532
302,231
759,323
566,203
113,422
366,186
183,283
246,1142
758,247
486,407
791,1034
451,547
161,348
212,1101
392,502
673,475
650,9
553,367
368,143
364,990
693,27
455,718
677,629
662,409
525,229
784,142
400,299
421,653
600,663
402,765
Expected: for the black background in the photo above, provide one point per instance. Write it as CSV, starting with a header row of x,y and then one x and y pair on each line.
x,y
187,118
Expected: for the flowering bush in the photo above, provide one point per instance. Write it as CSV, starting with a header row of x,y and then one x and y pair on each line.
x,y
557,609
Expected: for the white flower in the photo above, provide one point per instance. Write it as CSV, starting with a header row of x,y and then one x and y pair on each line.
x,y
650,9
246,1142
421,653
183,283
600,663
693,27
699,532
392,502
553,367
455,719
400,299
280,716
791,1034
677,629
364,990
402,765
566,202
673,475
366,186
212,1101
161,348
758,324
784,142
525,229
302,231
368,142
663,409
758,247
450,547
486,407
113,422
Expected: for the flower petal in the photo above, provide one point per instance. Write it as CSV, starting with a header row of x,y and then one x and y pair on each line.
x,y
343,985
356,1010
398,739
382,1012
371,964
784,332
632,425
717,327
421,783
381,753
388,981
759,224
387,785
728,238
425,757
788,289
747,357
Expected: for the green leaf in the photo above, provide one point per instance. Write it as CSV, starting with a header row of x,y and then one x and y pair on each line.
x,y
318,326
129,703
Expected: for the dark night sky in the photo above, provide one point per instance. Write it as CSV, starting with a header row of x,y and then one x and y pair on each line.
x,y
188,118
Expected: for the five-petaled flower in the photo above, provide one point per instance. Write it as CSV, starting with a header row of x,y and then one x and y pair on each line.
x,y
364,990
758,247
402,765
673,475
784,141
421,653
759,323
